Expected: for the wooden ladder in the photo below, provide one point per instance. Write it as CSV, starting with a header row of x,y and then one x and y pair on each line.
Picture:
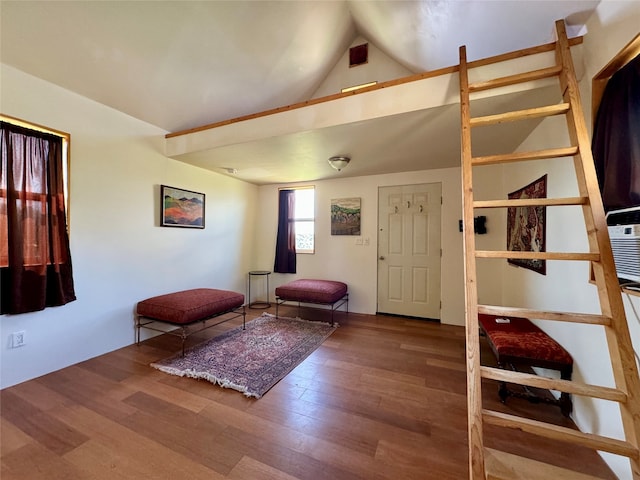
x,y
485,463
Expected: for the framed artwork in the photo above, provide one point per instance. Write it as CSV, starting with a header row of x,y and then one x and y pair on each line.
x,y
526,226
345,216
181,208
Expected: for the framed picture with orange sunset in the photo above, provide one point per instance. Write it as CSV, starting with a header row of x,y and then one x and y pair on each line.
x,y
181,208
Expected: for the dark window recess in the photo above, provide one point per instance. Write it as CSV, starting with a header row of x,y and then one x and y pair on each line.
x,y
616,141
358,55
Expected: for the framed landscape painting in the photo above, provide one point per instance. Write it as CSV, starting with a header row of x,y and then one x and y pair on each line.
x,y
181,208
345,216
526,226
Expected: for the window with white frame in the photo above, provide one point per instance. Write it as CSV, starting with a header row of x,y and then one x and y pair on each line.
x,y
304,219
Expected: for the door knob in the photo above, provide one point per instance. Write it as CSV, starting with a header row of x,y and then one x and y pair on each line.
x,y
381,258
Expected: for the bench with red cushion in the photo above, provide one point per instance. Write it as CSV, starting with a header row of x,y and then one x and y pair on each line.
x,y
185,308
320,292
519,342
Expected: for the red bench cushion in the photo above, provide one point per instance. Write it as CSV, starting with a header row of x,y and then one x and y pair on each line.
x,y
312,291
520,338
189,306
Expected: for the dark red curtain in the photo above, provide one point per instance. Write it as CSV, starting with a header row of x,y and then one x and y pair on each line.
x,y
35,262
616,139
286,240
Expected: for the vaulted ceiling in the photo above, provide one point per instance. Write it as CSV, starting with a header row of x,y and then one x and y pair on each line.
x,y
183,64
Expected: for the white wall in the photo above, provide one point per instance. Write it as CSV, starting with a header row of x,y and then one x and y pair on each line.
x,y
566,286
339,258
120,255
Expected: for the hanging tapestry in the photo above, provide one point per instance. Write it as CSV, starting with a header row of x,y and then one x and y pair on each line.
x,y
526,226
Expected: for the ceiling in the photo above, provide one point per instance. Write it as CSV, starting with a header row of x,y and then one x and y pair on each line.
x,y
183,64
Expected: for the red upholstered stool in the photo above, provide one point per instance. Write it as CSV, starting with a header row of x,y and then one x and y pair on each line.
x,y
320,292
518,342
188,307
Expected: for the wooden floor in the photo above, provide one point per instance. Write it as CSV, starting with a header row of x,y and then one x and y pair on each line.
x,y
382,398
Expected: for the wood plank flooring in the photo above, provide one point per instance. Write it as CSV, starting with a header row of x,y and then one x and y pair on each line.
x,y
382,398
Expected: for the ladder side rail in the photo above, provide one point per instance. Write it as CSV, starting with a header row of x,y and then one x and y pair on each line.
x,y
583,160
474,392
625,370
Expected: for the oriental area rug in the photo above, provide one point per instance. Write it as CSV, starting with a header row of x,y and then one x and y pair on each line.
x,y
252,360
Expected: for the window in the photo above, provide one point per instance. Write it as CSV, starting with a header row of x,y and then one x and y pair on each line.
x,y
32,254
304,219
65,152
35,262
616,120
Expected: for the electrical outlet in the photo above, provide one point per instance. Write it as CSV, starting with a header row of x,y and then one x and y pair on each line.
x,y
366,241
18,339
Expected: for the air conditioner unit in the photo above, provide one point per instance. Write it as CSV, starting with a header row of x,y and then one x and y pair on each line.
x,y
624,231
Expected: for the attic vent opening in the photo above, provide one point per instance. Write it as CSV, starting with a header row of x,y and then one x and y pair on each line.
x,y
358,55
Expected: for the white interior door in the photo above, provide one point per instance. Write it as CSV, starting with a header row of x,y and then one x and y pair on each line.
x,y
409,252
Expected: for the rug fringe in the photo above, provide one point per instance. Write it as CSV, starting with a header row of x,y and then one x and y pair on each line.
x,y
223,382
299,319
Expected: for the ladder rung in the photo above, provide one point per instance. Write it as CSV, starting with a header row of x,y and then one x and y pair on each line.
x,y
591,257
547,111
565,434
513,79
531,202
586,318
507,466
568,386
523,156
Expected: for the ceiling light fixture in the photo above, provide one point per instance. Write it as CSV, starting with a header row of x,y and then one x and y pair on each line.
x,y
232,171
339,162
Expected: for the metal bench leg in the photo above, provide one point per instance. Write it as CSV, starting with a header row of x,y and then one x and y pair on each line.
x,y
566,406
503,391
184,336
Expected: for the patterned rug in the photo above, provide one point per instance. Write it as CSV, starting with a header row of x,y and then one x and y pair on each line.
x,y
252,360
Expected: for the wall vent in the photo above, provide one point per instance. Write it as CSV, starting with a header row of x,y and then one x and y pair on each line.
x,y
358,55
